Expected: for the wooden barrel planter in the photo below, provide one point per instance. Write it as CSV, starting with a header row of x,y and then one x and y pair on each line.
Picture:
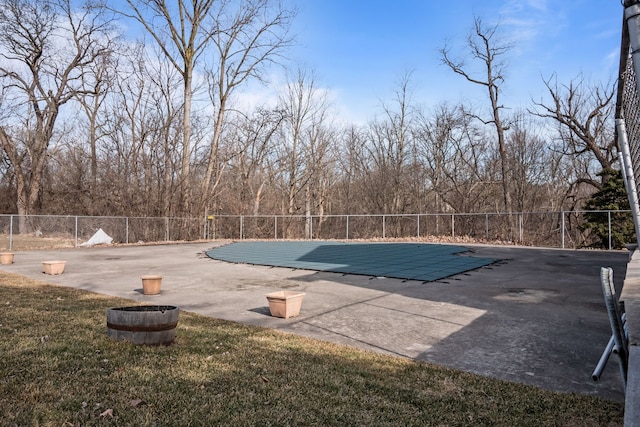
x,y
145,324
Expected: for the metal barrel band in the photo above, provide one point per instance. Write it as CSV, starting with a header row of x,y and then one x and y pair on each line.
x,y
134,328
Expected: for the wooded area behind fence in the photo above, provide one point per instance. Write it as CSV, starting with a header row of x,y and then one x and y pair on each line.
x,y
105,121
546,229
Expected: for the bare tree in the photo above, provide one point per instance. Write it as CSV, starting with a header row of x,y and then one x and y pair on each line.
x,y
391,145
351,168
483,47
245,35
183,31
140,152
321,160
46,49
532,163
582,114
167,107
304,140
252,166
456,159
96,83
435,135
247,39
131,125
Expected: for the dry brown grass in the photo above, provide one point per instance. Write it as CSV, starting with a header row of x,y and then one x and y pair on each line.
x,y
25,242
59,368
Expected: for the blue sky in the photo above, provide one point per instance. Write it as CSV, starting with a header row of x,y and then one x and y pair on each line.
x,y
359,50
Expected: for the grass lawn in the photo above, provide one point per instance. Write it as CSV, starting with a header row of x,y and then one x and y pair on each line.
x,y
25,242
58,367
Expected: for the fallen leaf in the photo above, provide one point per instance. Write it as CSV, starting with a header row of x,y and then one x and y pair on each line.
x,y
107,413
265,379
135,402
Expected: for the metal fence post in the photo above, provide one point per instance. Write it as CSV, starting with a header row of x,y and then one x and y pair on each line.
x,y
418,225
453,225
562,213
275,227
205,227
347,227
609,223
520,227
126,229
241,227
76,231
384,231
11,233
628,173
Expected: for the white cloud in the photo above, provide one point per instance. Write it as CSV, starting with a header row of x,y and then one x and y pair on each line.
x,y
527,21
540,5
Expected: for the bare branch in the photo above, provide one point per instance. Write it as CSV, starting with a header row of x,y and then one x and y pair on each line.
x,y
582,114
484,49
43,76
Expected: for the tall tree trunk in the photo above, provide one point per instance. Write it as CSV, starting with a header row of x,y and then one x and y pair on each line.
x,y
212,173
482,47
185,168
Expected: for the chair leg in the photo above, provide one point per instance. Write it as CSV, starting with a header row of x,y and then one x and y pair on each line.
x,y
615,320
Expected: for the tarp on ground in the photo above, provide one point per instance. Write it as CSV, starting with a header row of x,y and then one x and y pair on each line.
x,y
99,238
411,261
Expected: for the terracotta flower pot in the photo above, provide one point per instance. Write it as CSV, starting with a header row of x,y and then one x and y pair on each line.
x,y
151,284
53,267
285,303
6,257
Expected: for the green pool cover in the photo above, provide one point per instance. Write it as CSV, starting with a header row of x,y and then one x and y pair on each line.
x,y
412,261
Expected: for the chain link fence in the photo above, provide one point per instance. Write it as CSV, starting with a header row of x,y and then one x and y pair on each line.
x,y
45,231
545,229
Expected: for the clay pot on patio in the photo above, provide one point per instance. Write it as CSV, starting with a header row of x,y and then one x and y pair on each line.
x,y
151,284
285,303
6,257
53,267
147,324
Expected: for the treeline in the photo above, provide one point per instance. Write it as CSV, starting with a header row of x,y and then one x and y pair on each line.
x,y
93,124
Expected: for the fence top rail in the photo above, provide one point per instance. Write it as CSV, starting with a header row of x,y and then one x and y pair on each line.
x,y
378,215
104,216
447,214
